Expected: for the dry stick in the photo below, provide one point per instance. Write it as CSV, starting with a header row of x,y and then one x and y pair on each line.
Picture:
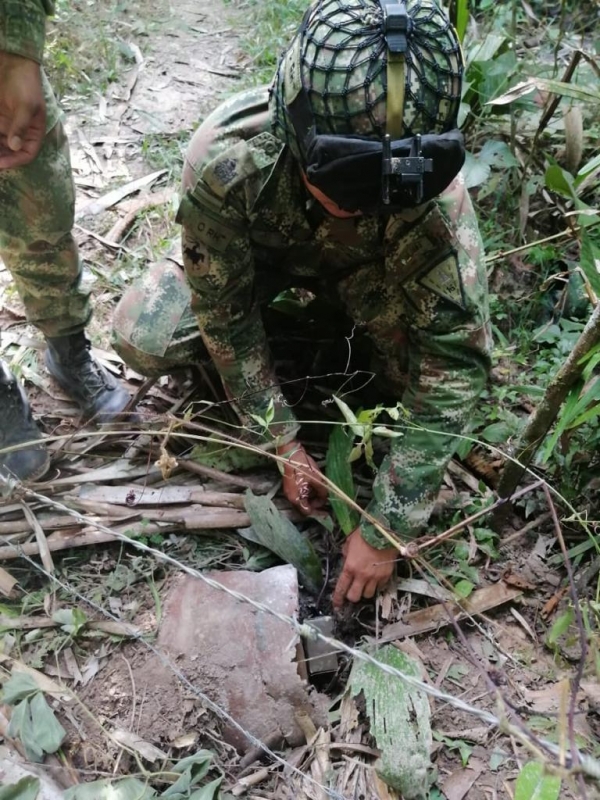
x,y
543,417
414,548
40,536
553,105
83,539
588,764
260,487
526,529
580,630
24,526
120,228
530,245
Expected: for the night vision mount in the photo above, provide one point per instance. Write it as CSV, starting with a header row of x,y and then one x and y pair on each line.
x,y
399,174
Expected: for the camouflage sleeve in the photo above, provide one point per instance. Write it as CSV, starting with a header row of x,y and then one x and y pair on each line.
x,y
444,287
23,28
219,264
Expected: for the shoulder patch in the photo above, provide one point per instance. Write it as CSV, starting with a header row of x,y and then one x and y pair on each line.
x,y
444,280
244,160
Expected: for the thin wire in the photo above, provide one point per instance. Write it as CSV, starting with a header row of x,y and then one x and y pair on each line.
x,y
588,764
166,661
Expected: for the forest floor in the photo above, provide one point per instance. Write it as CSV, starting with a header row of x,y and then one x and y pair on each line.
x,y
513,654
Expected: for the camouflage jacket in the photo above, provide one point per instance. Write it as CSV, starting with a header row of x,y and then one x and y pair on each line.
x,y
416,277
23,27
23,33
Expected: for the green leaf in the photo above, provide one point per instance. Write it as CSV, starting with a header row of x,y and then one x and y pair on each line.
x,y
339,471
400,721
192,769
275,532
226,458
587,169
561,626
534,783
49,733
21,727
560,181
498,154
496,432
463,589
208,792
19,686
25,789
590,260
349,416
462,18
127,789
72,620
464,749
475,171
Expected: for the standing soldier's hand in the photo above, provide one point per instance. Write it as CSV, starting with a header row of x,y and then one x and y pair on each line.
x,y
366,569
303,483
22,110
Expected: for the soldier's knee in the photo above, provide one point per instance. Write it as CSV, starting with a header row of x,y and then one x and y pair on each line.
x,y
154,329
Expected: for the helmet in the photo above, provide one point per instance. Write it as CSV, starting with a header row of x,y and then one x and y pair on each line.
x,y
338,60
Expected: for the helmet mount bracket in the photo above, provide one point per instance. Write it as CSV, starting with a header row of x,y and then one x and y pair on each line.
x,y
404,172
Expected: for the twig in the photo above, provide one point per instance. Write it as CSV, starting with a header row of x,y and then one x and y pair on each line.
x,y
40,536
415,548
83,539
120,228
535,523
133,692
570,234
259,487
582,637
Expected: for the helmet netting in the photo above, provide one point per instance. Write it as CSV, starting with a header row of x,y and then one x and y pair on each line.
x,y
341,54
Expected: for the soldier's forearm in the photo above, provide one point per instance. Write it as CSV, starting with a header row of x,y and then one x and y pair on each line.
x,y
441,404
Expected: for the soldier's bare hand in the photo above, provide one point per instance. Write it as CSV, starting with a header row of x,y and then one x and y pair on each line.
x,y
22,110
302,480
365,570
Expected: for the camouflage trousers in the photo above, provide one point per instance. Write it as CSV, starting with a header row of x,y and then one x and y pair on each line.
x,y
36,242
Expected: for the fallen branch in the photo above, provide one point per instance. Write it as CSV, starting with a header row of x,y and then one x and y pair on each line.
x,y
416,547
545,414
120,228
581,631
84,538
433,617
116,195
33,623
257,486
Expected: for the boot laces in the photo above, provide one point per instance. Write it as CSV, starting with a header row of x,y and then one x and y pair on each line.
x,y
92,376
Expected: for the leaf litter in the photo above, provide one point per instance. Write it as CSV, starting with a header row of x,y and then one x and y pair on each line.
x,y
105,474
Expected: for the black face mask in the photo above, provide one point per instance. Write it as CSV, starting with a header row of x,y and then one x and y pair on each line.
x,y
362,174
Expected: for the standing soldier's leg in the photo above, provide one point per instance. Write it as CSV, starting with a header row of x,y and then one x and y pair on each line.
x,y
37,246
36,240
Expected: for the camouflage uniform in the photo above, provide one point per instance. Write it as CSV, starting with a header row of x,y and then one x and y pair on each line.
x,y
415,280
38,200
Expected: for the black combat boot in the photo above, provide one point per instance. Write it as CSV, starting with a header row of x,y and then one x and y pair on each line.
x,y
17,427
70,362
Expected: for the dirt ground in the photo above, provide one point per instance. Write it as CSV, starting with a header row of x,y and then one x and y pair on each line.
x,y
183,67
